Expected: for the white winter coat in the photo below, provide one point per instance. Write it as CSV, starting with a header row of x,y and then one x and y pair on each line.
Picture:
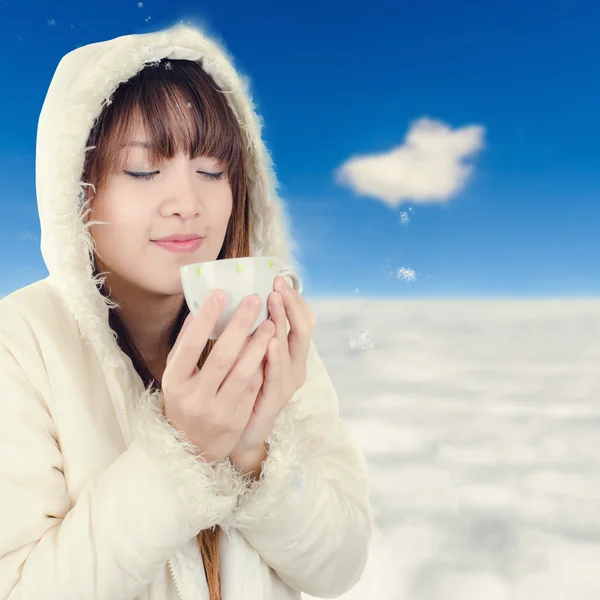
x,y
100,498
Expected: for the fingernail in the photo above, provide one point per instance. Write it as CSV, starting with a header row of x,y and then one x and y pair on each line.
x,y
252,300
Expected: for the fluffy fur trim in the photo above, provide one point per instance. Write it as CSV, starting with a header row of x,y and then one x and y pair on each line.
x,y
291,445
208,493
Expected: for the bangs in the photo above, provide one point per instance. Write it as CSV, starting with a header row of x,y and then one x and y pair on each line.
x,y
181,110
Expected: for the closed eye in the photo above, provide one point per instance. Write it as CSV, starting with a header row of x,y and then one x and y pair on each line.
x,y
214,176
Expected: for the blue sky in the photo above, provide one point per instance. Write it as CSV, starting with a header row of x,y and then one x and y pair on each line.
x,y
516,84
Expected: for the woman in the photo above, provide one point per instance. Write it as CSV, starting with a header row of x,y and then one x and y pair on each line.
x,y
119,467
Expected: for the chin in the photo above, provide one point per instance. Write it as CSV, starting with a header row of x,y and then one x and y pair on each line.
x,y
175,286
165,286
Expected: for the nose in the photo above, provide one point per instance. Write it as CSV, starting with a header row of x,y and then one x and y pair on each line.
x,y
185,199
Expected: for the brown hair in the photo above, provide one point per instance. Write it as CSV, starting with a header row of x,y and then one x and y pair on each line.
x,y
182,110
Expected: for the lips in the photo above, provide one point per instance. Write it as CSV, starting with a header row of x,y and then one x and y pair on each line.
x,y
179,238
180,247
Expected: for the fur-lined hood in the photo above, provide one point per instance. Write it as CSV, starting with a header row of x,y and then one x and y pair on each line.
x,y
83,82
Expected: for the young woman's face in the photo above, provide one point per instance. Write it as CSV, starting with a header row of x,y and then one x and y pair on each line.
x,y
180,196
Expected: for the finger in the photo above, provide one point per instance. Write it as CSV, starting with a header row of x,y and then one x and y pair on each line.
x,y
245,344
245,405
234,384
310,317
309,313
189,344
298,339
227,348
281,284
278,316
272,387
247,341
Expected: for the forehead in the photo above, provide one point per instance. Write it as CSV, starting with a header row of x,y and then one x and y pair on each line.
x,y
138,135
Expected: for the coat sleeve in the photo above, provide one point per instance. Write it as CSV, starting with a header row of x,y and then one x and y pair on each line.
x,y
127,522
308,515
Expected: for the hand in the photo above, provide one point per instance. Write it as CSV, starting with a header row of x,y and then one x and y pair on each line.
x,y
212,405
284,371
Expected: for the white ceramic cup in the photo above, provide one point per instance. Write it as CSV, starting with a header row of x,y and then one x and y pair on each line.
x,y
239,277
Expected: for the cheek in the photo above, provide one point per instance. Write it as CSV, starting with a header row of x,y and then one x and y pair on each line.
x,y
218,213
225,214
121,231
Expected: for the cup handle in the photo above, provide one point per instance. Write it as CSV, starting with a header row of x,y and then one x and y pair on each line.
x,y
296,281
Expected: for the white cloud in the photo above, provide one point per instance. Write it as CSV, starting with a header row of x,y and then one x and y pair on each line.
x,y
430,167
483,465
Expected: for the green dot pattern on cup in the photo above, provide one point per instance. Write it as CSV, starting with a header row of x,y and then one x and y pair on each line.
x,y
271,264
198,272
239,267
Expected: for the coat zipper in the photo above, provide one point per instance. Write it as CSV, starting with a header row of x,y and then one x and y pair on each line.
x,y
128,440
174,579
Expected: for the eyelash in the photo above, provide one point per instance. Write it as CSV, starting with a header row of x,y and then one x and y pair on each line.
x,y
147,176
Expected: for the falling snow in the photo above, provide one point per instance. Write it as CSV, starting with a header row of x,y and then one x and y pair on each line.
x,y
361,342
52,22
406,274
140,5
405,215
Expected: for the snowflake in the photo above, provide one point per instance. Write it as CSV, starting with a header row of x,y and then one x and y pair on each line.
x,y
52,22
168,66
147,18
404,217
140,5
362,341
406,274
